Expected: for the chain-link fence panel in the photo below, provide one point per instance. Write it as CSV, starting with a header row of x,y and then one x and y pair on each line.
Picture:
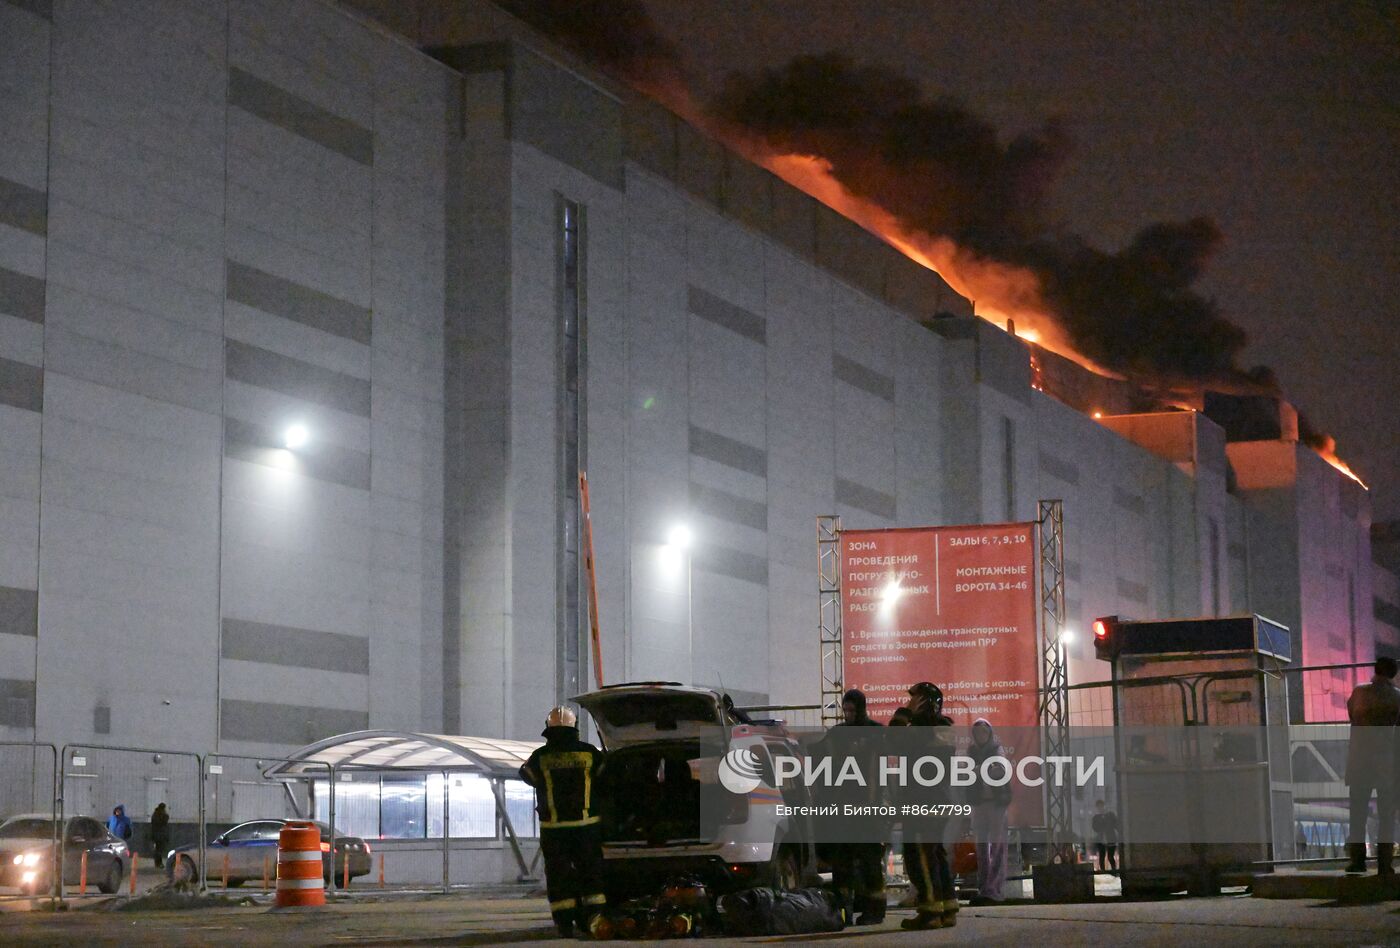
x,y
95,782
245,809
29,833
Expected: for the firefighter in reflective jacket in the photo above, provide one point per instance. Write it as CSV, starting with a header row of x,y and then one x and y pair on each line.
x,y
564,773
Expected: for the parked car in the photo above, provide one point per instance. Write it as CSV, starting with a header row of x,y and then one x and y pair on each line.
x,y
26,853
251,851
653,734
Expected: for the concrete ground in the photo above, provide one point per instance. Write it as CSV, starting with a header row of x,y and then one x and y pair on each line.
x,y
469,921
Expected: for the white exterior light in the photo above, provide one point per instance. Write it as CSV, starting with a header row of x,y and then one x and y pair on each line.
x,y
679,537
295,437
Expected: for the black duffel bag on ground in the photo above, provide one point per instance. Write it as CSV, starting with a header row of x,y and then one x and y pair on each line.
x,y
770,912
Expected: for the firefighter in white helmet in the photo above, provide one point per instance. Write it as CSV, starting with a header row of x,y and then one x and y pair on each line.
x,y
564,773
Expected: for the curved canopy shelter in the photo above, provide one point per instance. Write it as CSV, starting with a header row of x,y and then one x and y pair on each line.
x,y
388,753
382,751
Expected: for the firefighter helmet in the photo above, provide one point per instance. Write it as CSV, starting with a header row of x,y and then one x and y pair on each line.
x,y
561,717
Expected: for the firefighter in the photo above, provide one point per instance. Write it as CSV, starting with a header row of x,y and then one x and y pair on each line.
x,y
564,773
858,869
925,856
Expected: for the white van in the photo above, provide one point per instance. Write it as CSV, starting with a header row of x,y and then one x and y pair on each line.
x,y
653,734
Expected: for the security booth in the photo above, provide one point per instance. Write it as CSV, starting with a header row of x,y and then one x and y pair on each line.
x,y
1203,774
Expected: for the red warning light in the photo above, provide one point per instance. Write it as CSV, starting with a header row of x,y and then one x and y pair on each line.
x,y
1100,629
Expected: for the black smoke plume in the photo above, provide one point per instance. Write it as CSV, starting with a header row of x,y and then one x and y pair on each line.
x,y
1135,310
616,36
935,166
943,171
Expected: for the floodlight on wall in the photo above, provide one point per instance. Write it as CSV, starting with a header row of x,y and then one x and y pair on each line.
x,y
295,437
680,537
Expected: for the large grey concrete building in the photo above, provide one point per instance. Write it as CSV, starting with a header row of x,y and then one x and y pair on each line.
x,y
305,336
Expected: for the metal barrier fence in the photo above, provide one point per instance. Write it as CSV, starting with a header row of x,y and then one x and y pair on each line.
x,y
242,810
490,830
793,715
1317,745
27,787
95,779
225,814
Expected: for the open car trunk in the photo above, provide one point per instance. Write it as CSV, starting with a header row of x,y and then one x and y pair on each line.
x,y
655,789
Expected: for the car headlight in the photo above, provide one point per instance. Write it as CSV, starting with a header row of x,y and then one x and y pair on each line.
x,y
28,859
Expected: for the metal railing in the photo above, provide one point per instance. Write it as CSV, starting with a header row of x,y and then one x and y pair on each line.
x,y
466,832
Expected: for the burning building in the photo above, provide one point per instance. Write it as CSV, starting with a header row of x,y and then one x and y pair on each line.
x,y
305,336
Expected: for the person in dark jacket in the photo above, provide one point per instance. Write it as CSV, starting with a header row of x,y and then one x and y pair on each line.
x,y
1105,827
989,805
564,773
858,869
160,833
119,824
1374,711
926,857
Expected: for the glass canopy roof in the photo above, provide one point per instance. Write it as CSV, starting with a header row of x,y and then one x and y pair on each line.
x,y
405,750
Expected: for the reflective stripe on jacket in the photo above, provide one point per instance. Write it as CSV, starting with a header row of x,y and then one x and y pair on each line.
x,y
563,773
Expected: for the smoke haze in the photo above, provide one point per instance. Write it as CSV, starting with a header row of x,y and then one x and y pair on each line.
x,y
943,172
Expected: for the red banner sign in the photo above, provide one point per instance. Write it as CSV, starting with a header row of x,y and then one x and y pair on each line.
x,y
952,605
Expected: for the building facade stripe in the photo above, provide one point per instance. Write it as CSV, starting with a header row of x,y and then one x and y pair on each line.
x,y
266,369
21,296
16,702
245,441
1129,589
723,505
865,498
734,318
297,648
21,385
1061,470
19,611
861,377
267,723
40,8
736,564
276,105
727,451
297,302
24,207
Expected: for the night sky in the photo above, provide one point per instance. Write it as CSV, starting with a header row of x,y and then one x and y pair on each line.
x,y
1280,122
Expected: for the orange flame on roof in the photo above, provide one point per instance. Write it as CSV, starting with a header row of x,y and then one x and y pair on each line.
x,y
1002,293
1327,450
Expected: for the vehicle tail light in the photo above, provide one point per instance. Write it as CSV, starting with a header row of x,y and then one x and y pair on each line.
x,y
325,847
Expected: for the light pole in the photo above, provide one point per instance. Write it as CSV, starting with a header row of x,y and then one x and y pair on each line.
x,y
678,544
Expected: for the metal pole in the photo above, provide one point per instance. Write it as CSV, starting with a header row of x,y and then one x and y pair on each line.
x,y
509,828
60,790
689,618
1054,708
330,808
56,853
201,815
446,834
595,635
829,615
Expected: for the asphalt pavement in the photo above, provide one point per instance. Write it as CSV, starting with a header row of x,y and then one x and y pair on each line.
x,y
468,921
